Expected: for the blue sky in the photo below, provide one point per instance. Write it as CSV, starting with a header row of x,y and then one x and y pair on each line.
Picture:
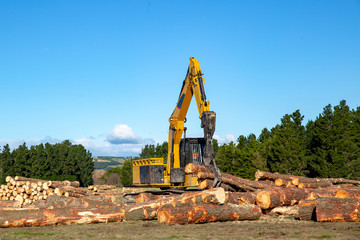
x,y
107,74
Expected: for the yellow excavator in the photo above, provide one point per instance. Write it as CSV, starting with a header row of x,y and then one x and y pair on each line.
x,y
153,172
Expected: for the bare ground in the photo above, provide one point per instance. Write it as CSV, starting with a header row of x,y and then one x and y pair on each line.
x,y
264,229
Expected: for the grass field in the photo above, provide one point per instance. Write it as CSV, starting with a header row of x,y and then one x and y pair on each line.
x,y
263,229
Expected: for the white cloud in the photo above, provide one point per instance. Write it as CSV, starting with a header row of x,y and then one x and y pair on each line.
x,y
120,141
228,138
105,148
122,134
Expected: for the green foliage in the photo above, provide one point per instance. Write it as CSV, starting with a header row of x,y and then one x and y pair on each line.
x,y
152,151
334,145
124,172
61,161
287,146
329,146
241,159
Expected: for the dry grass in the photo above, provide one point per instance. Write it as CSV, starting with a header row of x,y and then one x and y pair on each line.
x,y
264,229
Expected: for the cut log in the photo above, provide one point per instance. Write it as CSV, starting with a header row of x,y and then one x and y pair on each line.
x,y
329,192
242,197
205,213
298,180
8,179
307,210
73,190
338,210
50,217
272,176
148,210
205,173
348,193
72,202
195,168
276,197
281,182
147,197
287,211
59,184
237,182
344,181
318,184
208,184
49,183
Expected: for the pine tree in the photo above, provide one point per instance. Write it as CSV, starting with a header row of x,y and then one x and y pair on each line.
x,y
21,157
84,165
126,173
226,158
334,143
287,146
7,163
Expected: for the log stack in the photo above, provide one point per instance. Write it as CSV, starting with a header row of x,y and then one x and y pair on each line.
x,y
319,199
25,191
271,194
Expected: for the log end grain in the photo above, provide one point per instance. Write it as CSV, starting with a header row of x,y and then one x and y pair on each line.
x,y
263,199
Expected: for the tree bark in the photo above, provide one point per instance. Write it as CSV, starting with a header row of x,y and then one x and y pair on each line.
x,y
237,182
287,211
148,210
298,180
272,176
208,184
307,210
147,197
318,184
54,184
282,182
242,197
276,197
205,213
348,193
329,192
338,210
60,216
195,168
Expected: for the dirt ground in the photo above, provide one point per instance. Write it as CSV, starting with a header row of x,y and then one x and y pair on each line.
x,y
263,229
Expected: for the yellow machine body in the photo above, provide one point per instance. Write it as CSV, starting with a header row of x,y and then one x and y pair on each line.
x,y
181,150
146,173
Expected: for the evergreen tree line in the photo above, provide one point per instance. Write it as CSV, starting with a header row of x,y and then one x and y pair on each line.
x,y
61,161
328,146
152,151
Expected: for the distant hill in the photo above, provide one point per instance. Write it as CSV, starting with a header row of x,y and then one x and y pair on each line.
x,y
104,162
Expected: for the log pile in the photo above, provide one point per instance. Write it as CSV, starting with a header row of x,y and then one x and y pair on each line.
x,y
270,195
319,199
25,191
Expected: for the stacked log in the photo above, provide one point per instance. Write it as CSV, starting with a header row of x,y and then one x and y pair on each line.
x,y
228,181
206,213
25,191
98,188
284,194
64,202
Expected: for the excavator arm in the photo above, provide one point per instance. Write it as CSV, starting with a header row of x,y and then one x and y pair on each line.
x,y
193,85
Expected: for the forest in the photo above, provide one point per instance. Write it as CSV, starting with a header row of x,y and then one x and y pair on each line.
x,y
61,161
328,146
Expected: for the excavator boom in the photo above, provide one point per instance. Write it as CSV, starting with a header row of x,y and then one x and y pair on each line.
x,y
193,85
181,150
